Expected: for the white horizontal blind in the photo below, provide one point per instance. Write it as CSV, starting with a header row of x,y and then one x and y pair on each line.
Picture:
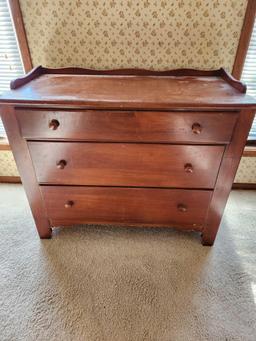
x,y
249,75
10,60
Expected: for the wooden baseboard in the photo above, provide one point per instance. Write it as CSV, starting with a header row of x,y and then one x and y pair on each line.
x,y
10,179
249,151
4,144
251,142
244,186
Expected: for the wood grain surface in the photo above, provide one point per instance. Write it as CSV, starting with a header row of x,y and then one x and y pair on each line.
x,y
127,126
126,206
123,164
130,92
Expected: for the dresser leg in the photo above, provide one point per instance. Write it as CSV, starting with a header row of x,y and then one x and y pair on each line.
x,y
207,240
27,172
44,231
227,172
43,227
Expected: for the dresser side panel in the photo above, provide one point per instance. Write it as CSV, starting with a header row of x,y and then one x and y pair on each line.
x,y
26,171
225,179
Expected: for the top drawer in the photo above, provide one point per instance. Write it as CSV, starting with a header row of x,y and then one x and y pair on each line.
x,y
127,126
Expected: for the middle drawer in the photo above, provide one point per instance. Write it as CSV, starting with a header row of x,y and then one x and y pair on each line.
x,y
125,164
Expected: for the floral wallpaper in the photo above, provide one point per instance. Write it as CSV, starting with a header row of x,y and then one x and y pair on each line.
x,y
153,34
246,171
7,164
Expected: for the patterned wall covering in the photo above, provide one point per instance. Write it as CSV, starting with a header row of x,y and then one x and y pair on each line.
x,y
7,164
153,34
247,171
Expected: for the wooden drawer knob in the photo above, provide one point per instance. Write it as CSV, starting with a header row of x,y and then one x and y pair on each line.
x,y
69,204
61,164
53,125
182,208
196,128
188,168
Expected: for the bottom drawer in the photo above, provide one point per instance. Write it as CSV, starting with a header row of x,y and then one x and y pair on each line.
x,y
67,205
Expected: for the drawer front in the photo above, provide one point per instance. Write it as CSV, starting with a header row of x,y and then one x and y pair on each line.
x,y
124,164
169,207
124,126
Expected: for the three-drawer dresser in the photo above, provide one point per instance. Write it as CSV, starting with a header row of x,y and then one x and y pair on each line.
x,y
127,147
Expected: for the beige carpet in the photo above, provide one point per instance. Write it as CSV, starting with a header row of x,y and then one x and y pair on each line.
x,y
120,284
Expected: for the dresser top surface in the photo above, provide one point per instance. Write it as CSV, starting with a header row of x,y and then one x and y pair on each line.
x,y
129,91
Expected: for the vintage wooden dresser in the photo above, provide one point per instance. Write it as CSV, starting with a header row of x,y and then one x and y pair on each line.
x,y
127,147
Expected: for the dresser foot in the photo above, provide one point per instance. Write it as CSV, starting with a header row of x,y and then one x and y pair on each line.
x,y
47,234
206,241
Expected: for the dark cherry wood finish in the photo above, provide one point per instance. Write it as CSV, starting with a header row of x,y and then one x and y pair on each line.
x,y
26,170
114,147
178,89
107,205
126,164
40,70
226,177
127,126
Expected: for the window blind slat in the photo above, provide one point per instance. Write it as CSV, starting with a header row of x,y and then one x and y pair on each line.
x,y
10,60
249,75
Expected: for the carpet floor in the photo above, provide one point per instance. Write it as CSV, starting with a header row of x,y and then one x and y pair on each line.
x,y
117,284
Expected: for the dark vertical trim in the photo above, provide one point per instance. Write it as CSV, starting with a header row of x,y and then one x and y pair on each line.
x,y
244,39
21,34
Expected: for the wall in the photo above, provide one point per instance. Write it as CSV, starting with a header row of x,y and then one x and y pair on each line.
x,y
145,34
247,171
7,164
